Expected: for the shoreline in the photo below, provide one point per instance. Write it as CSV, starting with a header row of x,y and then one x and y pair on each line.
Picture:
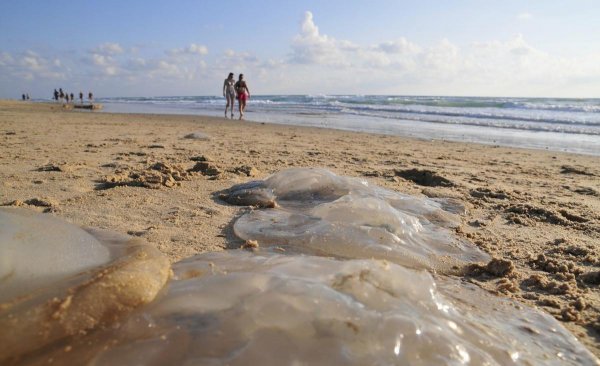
x,y
537,209
411,125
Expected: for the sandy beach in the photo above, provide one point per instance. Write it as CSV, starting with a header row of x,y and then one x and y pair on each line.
x,y
157,177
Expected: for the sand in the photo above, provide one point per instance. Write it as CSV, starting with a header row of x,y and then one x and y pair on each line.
x,y
158,177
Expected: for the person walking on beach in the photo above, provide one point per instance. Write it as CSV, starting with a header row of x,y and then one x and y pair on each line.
x,y
72,98
81,96
90,97
229,93
61,94
243,94
56,95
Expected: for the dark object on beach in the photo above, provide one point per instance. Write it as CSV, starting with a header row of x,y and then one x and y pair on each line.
x,y
568,169
90,97
55,95
90,106
72,97
81,97
206,168
253,193
424,178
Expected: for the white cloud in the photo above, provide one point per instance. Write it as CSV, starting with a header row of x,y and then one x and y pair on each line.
x,y
524,16
5,59
109,49
192,49
33,66
399,46
321,63
311,47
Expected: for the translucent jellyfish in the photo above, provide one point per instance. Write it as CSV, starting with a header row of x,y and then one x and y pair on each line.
x,y
58,280
240,308
314,211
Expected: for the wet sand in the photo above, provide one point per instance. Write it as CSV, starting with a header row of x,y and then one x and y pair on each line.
x,y
536,212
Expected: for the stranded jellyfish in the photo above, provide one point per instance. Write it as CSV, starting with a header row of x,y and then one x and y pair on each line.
x,y
314,211
243,308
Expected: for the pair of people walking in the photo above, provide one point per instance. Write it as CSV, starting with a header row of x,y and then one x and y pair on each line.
x,y
236,90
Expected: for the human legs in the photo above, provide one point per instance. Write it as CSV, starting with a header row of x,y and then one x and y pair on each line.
x,y
242,103
230,102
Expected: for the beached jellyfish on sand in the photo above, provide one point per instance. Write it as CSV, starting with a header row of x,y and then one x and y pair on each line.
x,y
242,308
314,211
58,280
109,301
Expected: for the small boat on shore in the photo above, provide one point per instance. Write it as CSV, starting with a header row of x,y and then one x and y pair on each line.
x,y
90,106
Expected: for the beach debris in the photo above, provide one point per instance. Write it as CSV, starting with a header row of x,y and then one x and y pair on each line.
x,y
497,267
568,169
206,168
197,136
424,177
315,211
246,170
154,176
586,191
42,202
250,244
55,167
482,192
59,280
242,307
201,158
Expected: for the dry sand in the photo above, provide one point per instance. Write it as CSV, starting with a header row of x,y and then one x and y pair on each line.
x,y
536,212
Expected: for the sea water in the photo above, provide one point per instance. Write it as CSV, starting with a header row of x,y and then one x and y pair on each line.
x,y
571,125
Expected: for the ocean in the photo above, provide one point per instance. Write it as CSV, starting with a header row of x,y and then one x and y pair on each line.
x,y
570,125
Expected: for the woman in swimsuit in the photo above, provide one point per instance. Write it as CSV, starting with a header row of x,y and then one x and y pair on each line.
x,y
229,93
243,94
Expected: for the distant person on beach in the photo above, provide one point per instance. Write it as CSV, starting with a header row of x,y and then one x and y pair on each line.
x,y
23,96
72,97
81,97
56,95
243,94
90,97
67,98
61,94
229,93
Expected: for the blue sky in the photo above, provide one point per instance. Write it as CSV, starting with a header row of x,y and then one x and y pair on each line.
x,y
149,48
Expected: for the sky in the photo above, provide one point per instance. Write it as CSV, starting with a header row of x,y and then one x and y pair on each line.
x,y
519,48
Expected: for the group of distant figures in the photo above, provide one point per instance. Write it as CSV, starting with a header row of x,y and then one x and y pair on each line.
x,y
61,96
25,96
